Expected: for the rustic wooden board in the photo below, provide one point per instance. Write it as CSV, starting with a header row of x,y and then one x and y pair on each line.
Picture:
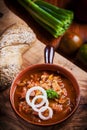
x,y
35,55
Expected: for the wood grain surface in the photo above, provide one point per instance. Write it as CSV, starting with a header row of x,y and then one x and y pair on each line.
x,y
35,55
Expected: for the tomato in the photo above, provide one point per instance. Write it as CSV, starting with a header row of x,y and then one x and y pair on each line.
x,y
82,54
70,42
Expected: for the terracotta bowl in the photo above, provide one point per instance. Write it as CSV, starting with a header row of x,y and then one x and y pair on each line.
x,y
45,67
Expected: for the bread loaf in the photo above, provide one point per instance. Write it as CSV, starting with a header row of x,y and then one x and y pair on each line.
x,y
16,34
14,42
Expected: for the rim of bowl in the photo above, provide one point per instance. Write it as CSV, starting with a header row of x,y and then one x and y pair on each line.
x,y
62,70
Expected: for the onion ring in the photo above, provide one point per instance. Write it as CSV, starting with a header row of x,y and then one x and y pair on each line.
x,y
39,107
44,101
44,108
32,89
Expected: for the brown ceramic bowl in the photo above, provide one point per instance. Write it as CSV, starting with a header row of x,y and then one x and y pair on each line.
x,y
46,67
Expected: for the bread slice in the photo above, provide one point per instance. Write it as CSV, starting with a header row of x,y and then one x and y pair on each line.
x,y
16,34
11,62
13,43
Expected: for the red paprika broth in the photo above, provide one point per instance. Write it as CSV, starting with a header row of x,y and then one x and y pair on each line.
x,y
61,106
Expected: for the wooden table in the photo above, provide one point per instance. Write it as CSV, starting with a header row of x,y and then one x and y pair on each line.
x,y
8,119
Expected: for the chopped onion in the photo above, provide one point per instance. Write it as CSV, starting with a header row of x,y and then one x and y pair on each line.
x,y
44,101
44,108
31,90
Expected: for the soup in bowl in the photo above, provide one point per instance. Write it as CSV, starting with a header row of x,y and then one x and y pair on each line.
x,y
45,94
